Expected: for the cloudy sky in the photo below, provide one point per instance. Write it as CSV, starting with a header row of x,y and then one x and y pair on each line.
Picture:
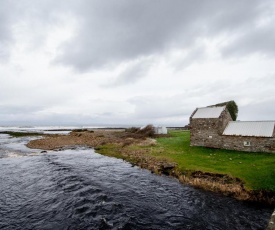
x,y
129,62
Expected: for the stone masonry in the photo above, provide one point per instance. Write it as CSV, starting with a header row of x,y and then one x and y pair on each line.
x,y
208,132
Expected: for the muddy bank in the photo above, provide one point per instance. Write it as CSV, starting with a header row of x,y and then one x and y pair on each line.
x,y
123,145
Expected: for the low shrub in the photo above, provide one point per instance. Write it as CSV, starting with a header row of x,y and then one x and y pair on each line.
x,y
134,132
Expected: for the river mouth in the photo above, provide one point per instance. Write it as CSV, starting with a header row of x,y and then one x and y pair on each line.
x,y
80,189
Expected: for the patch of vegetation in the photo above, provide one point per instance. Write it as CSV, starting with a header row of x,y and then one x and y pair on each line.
x,y
232,108
79,130
21,134
111,150
134,132
256,170
82,130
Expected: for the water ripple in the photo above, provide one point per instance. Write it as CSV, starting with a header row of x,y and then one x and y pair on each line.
x,y
79,189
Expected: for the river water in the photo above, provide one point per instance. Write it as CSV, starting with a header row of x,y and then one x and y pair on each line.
x,y
80,189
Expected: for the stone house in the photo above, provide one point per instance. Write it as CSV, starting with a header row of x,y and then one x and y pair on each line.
x,y
213,127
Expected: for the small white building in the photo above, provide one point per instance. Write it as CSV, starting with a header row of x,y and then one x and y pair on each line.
x,y
160,130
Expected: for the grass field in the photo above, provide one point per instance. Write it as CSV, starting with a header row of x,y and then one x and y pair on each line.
x,y
256,170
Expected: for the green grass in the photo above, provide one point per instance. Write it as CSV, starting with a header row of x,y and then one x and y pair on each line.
x,y
256,170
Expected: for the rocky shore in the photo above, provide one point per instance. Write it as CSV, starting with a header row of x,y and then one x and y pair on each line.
x,y
271,224
135,148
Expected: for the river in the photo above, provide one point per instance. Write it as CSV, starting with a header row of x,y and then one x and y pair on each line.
x,y
80,189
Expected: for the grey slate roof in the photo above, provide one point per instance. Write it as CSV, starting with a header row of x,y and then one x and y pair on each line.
x,y
250,128
208,112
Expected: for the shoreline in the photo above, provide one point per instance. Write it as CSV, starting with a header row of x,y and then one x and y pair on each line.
x,y
115,143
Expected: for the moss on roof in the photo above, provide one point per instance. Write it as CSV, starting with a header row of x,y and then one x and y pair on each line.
x,y
231,106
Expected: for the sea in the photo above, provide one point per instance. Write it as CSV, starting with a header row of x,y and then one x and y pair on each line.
x,y
81,189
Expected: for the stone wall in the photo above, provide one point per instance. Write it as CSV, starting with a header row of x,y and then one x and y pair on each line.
x,y
207,131
253,144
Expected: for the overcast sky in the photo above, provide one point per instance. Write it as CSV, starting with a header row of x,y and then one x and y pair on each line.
x,y
134,62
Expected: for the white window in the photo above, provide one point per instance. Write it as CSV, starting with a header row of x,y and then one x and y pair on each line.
x,y
247,143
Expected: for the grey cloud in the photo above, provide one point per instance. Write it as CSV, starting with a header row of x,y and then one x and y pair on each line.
x,y
13,110
179,107
4,22
156,107
33,15
255,110
4,51
116,31
172,111
250,36
5,31
194,55
132,73
113,31
19,115
257,40
232,17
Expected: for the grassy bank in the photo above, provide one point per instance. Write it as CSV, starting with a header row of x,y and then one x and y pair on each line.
x,y
256,171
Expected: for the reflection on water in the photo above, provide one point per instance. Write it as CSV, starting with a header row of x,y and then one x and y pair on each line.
x,y
80,189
